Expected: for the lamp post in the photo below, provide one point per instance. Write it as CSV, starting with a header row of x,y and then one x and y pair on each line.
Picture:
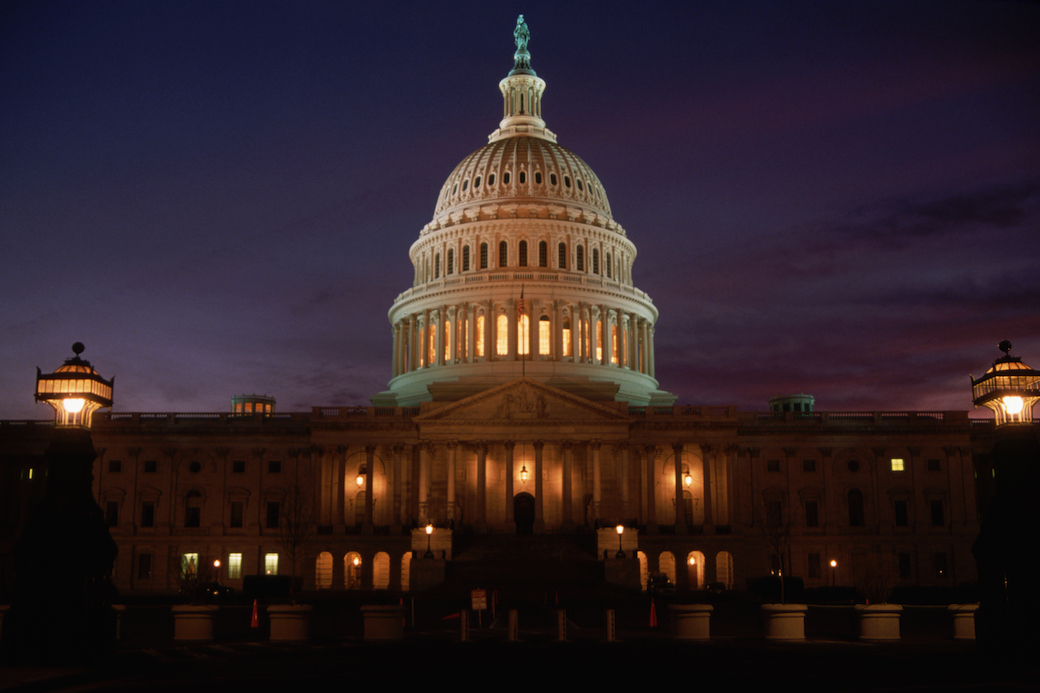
x,y
834,565
1010,388
620,545
429,534
1008,454
59,613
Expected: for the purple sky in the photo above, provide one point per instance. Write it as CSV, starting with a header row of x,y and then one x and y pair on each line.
x,y
840,198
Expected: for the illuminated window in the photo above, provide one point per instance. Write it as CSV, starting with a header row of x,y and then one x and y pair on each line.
x,y
502,335
447,340
599,341
483,256
524,344
271,564
234,566
544,336
503,254
543,254
563,256
479,336
431,355
323,571
567,338
189,564
614,347
897,464
522,253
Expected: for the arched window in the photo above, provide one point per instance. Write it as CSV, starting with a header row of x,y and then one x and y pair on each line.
x,y
552,178
502,336
523,177
563,256
381,571
323,571
352,570
437,266
503,254
522,254
595,260
491,179
606,262
483,256
505,178
451,261
523,336
193,509
479,337
431,351
567,338
465,258
543,254
856,514
580,255
447,340
544,336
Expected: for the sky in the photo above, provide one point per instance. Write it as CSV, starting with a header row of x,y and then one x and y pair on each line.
x,y
217,198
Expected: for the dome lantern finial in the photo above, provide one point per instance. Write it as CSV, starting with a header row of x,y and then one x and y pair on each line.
x,y
521,59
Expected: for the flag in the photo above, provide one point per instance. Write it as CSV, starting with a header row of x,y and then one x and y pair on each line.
x,y
520,305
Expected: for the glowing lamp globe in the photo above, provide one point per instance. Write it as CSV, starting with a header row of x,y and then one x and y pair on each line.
x,y
75,391
1010,388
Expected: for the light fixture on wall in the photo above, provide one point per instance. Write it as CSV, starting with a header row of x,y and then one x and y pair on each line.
x,y
523,473
621,549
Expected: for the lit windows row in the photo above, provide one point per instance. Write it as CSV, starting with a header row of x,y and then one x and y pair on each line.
x,y
507,178
612,265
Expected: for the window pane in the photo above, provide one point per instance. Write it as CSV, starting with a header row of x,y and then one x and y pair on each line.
x,y
271,564
234,566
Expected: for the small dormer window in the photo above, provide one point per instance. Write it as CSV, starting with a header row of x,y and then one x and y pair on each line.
x,y
454,189
476,183
465,184
580,186
523,177
552,178
567,181
491,179
505,178
538,177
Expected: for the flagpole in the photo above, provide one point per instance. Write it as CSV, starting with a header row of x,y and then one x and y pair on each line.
x,y
523,352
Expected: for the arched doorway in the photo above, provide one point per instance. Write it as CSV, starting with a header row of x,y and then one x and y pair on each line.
x,y
523,513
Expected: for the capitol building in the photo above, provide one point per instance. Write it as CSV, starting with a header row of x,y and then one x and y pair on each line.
x,y
523,423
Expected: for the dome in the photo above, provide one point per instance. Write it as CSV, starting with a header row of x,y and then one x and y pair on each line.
x,y
522,273
516,168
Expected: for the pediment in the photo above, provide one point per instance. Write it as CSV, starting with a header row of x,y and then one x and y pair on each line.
x,y
524,400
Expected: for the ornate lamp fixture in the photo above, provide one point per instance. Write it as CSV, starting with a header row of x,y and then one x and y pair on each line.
x,y
75,391
1010,388
621,548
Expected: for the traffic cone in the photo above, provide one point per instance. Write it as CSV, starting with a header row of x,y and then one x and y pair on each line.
x,y
254,622
653,614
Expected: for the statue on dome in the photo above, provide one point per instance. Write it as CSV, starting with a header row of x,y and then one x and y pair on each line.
x,y
521,34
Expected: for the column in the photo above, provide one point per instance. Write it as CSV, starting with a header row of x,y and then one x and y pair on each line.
x,y
650,353
532,329
623,489
489,326
338,492
597,484
568,452
471,332
651,486
395,510
450,509
424,355
539,516
510,519
511,331
442,323
396,350
425,450
680,506
481,518
370,465
709,511
608,337
412,346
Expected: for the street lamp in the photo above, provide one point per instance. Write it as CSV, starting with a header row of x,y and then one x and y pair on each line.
x,y
1010,388
75,391
834,565
620,546
429,533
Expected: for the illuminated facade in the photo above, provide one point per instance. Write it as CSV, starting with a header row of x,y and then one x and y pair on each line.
x,y
523,399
